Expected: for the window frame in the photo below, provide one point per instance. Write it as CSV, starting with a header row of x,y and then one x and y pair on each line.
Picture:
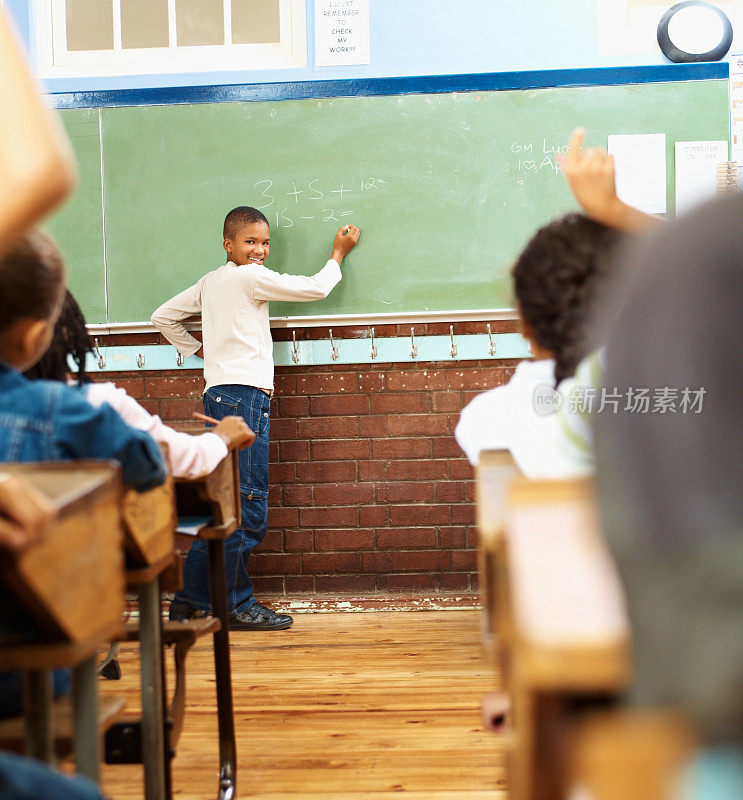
x,y
54,60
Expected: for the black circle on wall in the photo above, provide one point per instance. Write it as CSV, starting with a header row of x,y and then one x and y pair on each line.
x,y
672,52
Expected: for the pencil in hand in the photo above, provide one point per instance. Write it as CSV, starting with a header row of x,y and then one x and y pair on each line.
x,y
233,431
204,418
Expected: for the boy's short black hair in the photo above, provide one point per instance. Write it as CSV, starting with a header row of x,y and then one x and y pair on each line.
x,y
32,280
240,217
557,278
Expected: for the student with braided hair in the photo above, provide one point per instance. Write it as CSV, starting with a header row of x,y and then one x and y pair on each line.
x,y
188,456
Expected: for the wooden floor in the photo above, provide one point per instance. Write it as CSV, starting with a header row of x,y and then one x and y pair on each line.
x,y
340,707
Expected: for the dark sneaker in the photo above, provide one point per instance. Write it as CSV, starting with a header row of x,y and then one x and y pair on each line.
x,y
260,618
111,670
182,612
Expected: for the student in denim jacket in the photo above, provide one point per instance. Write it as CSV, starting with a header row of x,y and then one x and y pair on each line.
x,y
46,420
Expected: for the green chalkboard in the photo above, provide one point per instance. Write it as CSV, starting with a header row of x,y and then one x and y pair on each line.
x,y
446,188
78,226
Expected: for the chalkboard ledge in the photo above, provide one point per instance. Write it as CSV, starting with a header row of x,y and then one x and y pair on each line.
x,y
401,318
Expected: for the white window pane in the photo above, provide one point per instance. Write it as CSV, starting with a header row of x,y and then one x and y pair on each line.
x,y
199,22
144,23
255,22
90,24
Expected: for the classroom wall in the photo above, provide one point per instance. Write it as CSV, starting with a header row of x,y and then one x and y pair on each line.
x,y
423,37
369,492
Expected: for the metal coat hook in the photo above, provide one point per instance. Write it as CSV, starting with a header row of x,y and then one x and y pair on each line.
x,y
140,360
491,345
413,345
373,352
453,348
295,351
101,358
179,359
333,348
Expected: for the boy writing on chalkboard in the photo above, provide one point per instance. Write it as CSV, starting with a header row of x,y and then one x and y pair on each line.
x,y
238,371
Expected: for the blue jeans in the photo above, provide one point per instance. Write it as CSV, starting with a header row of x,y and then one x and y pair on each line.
x,y
11,691
253,406
25,779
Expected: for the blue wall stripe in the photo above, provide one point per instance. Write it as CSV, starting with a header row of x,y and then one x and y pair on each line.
x,y
487,81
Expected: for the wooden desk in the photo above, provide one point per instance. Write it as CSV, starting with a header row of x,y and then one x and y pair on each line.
x,y
569,636
83,551
496,471
216,499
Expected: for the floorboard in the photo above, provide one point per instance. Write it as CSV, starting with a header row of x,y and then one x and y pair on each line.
x,y
343,706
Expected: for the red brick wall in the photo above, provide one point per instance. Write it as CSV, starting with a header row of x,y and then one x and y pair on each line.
x,y
369,491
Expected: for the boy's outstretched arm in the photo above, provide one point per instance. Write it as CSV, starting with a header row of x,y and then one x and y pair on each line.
x,y
37,168
592,180
270,285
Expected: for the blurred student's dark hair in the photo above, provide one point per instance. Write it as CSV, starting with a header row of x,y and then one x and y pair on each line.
x,y
556,280
31,280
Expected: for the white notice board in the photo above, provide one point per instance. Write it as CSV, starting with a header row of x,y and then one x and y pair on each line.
x,y
341,32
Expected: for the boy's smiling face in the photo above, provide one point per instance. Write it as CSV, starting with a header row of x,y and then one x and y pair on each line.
x,y
249,245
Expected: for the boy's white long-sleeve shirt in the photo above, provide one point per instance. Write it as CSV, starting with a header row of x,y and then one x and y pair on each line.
x,y
233,303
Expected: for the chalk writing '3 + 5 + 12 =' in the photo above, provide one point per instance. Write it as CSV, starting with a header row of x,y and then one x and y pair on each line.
x,y
310,201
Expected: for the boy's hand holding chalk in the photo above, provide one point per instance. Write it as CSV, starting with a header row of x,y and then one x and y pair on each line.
x,y
233,431
345,240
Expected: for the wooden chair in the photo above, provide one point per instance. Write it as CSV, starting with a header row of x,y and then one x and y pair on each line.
x,y
82,551
568,642
149,525
210,508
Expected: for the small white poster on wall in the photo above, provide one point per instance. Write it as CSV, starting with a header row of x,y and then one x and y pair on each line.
x,y
640,164
341,32
696,172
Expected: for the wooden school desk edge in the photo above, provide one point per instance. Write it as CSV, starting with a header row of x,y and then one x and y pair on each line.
x,y
223,500
604,666
150,520
494,473
75,488
543,678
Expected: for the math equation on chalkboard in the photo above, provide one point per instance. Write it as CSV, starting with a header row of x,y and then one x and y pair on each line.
x,y
289,204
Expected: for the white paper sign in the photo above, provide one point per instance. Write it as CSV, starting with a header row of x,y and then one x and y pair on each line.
x,y
341,32
736,108
640,163
696,172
